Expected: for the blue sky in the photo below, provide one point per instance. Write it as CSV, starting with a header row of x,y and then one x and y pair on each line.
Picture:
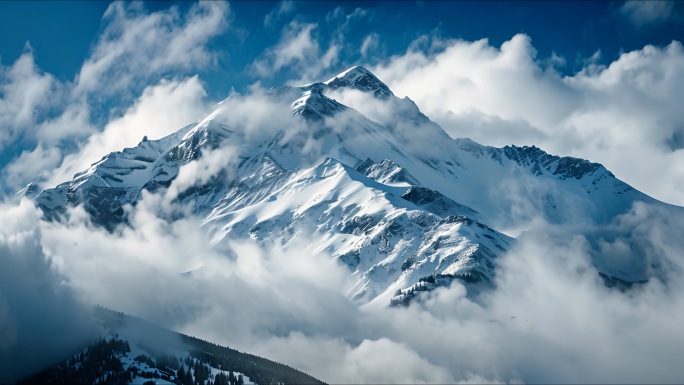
x,y
63,32
71,71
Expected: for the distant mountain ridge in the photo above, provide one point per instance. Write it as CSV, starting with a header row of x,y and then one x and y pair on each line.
x,y
400,203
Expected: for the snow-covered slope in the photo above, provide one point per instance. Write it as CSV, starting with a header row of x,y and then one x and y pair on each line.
x,y
394,198
134,351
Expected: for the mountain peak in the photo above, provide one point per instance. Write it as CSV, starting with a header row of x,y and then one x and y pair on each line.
x,y
360,78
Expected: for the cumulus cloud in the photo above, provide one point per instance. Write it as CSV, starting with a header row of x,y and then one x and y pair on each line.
x,y
24,91
624,116
561,307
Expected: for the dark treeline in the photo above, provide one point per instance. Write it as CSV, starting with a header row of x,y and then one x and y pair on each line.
x,y
258,369
100,363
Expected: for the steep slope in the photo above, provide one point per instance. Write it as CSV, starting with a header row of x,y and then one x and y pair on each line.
x,y
133,351
563,190
380,232
118,178
395,199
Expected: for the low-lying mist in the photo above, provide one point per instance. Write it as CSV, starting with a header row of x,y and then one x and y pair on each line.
x,y
551,318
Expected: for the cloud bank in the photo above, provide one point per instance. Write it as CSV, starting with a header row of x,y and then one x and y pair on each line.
x,y
550,319
625,115
41,320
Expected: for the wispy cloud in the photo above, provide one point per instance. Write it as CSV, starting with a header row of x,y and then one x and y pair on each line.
x,y
136,44
643,13
284,8
298,51
310,50
370,44
297,46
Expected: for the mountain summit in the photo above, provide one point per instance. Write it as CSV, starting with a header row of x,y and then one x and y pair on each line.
x,y
361,79
393,198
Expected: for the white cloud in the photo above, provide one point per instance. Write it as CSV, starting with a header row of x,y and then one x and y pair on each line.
x,y
30,165
281,10
200,171
297,48
303,52
24,95
339,14
73,121
41,321
161,110
551,319
625,116
335,360
645,13
370,44
135,45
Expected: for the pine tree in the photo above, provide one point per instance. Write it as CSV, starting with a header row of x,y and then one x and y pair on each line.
x,y
180,374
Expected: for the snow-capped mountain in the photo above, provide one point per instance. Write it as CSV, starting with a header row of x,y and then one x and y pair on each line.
x,y
390,195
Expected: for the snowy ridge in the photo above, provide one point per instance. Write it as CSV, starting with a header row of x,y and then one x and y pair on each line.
x,y
362,79
402,219
117,179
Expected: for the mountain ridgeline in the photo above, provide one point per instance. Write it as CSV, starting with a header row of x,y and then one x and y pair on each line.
x,y
135,351
391,196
